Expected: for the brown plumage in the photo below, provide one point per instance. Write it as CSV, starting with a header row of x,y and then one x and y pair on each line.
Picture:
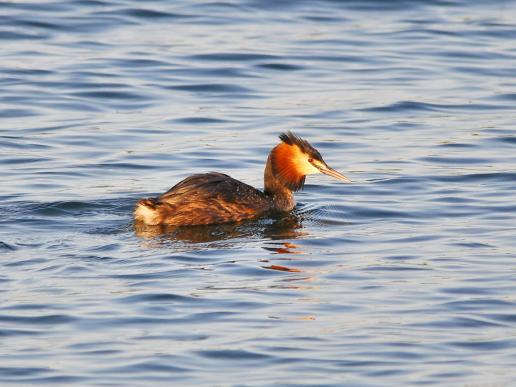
x,y
212,198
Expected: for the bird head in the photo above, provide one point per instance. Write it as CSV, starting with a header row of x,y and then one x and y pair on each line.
x,y
294,158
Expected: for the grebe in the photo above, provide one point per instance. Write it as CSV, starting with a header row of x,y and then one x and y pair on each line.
x,y
213,198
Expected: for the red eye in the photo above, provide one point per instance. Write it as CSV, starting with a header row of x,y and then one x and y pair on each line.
x,y
310,160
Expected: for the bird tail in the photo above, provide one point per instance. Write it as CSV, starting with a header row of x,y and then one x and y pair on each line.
x,y
147,212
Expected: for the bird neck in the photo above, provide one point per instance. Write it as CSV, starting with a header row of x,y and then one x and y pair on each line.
x,y
281,196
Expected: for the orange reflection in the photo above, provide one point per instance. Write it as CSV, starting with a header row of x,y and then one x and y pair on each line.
x,y
285,248
283,268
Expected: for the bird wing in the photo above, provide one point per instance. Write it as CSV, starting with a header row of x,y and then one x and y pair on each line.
x,y
212,198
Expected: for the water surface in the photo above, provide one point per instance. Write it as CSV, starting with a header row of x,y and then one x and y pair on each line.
x,y
407,276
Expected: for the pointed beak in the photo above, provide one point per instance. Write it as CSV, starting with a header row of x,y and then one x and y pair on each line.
x,y
333,173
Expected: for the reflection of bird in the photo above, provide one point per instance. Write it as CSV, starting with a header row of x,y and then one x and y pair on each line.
x,y
212,198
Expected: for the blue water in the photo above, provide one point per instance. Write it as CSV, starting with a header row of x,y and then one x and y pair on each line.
x,y
405,277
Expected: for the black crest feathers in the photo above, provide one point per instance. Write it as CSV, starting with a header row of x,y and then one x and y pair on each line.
x,y
291,139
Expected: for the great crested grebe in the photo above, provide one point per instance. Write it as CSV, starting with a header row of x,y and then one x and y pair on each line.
x,y
212,198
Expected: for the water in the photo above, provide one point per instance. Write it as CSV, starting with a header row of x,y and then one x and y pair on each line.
x,y
405,277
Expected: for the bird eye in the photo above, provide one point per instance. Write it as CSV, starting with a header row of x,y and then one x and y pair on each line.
x,y
310,160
